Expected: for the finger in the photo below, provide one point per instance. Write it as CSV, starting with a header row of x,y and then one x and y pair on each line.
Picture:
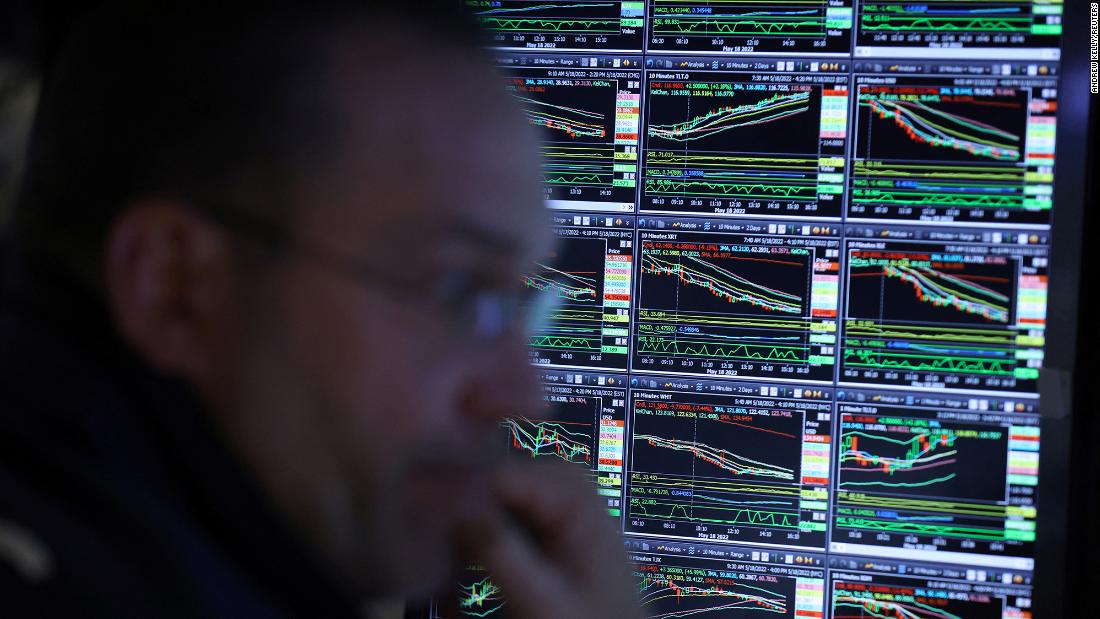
x,y
565,517
562,512
533,587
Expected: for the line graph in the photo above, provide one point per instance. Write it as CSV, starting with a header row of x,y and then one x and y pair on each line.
x,y
870,607
708,304
928,149
576,280
588,125
588,276
921,453
725,284
701,466
907,477
567,441
744,27
770,109
720,143
928,125
767,446
527,24
573,122
960,24
579,166
975,295
481,598
582,426
578,287
918,314
882,597
668,597
721,458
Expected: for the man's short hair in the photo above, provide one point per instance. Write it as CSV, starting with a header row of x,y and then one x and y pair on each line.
x,y
188,100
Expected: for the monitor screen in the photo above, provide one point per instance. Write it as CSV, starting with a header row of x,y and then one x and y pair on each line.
x,y
816,272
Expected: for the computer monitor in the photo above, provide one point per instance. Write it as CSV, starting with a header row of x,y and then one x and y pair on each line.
x,y
818,270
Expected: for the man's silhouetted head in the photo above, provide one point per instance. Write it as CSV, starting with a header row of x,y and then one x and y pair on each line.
x,y
318,218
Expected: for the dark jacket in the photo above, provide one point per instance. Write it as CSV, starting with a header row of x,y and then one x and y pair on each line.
x,y
117,498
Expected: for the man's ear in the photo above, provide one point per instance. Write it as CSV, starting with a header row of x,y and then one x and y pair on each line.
x,y
166,277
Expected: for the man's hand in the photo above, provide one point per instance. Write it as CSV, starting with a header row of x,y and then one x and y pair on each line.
x,y
551,547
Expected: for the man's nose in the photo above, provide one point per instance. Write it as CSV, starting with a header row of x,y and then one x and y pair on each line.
x,y
501,383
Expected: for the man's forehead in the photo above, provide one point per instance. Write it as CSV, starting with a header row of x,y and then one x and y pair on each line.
x,y
437,149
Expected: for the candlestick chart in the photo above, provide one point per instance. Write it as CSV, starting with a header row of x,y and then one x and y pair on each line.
x,y
476,595
717,144
784,26
913,599
936,151
567,441
589,128
673,591
965,26
577,282
918,457
927,316
707,306
699,469
929,479
537,24
588,278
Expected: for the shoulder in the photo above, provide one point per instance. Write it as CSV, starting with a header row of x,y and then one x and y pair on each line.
x,y
63,557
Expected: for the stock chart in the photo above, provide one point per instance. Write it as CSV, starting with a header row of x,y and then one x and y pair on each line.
x,y
745,143
953,149
864,595
742,27
583,423
478,596
938,477
969,28
589,276
736,303
541,25
800,294
588,120
739,466
968,314
674,581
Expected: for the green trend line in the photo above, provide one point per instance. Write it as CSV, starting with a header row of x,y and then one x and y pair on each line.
x,y
901,484
592,26
986,533
721,458
741,190
949,131
953,364
768,110
900,607
481,599
675,511
890,23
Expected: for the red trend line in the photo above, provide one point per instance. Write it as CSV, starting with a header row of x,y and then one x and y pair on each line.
x,y
1009,104
734,423
771,260
988,278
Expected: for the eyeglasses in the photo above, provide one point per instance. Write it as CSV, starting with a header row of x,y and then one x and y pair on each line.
x,y
473,312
